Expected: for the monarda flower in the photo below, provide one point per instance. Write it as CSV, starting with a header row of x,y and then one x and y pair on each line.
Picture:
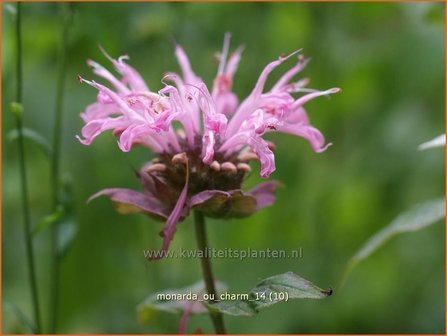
x,y
203,141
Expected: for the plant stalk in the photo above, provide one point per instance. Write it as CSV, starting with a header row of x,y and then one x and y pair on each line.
x,y
55,166
208,277
23,177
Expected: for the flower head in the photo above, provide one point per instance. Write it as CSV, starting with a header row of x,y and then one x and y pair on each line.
x,y
202,162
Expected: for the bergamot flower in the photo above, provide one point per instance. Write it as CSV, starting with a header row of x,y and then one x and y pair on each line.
x,y
203,140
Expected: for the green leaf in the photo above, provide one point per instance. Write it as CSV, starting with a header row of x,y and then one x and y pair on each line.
x,y
417,218
233,308
35,137
17,109
67,230
183,297
275,289
49,220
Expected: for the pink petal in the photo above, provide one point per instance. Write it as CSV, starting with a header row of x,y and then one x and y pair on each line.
x,y
141,201
225,100
290,74
266,156
304,99
133,134
213,121
250,103
125,109
311,134
257,144
130,75
224,54
99,111
226,103
298,115
233,62
100,71
208,142
189,103
264,194
189,75
95,127
179,112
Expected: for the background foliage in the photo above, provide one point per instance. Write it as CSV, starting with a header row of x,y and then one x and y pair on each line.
x,y
389,60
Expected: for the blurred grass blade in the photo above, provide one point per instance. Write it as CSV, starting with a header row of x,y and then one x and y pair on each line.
x,y
275,289
25,323
34,136
417,218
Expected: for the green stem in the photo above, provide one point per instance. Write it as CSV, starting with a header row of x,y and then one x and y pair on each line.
x,y
23,178
202,244
55,166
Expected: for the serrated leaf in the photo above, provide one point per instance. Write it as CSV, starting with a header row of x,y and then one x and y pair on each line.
x,y
290,283
192,294
417,218
233,308
33,136
275,289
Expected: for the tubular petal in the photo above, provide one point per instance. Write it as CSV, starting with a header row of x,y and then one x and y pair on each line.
x,y
208,147
188,74
95,127
130,75
100,71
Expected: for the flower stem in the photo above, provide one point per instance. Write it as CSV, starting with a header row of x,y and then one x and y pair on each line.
x,y
23,177
202,244
55,165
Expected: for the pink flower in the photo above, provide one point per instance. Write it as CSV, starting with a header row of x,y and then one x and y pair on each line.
x,y
201,164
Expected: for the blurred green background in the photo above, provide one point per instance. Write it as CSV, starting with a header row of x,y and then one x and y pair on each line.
x,y
389,60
